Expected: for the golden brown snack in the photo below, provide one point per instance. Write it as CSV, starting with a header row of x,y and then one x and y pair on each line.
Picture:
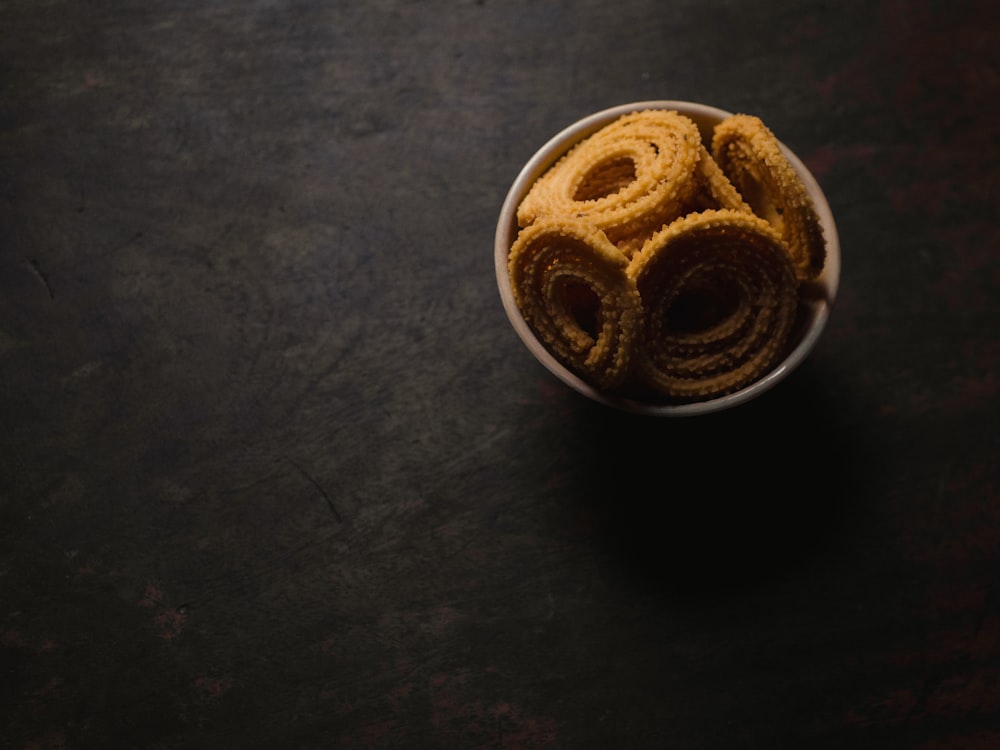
x,y
628,179
709,189
713,189
719,296
751,157
570,284
656,268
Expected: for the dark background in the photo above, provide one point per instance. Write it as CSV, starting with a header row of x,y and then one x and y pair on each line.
x,y
276,472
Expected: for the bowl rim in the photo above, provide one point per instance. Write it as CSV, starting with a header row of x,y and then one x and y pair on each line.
x,y
705,116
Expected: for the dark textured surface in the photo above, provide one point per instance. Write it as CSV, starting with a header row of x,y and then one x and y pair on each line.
x,y
277,473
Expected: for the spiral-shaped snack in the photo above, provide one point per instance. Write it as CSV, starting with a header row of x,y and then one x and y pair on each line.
x,y
712,188
571,286
709,189
628,179
719,297
751,157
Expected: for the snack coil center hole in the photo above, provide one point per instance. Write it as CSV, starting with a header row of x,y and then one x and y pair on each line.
x,y
605,179
583,304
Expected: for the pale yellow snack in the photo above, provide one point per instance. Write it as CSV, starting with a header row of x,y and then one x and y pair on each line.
x,y
656,268
629,178
751,157
709,189
569,282
719,296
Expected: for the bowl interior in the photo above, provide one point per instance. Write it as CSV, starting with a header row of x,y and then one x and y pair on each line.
x,y
816,311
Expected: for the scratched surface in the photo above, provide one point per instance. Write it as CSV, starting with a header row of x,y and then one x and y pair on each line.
x,y
276,472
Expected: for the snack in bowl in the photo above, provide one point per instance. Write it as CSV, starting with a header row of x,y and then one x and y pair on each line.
x,y
719,299
750,155
627,179
572,284
667,257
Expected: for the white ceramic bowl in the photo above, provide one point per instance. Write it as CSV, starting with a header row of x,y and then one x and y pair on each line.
x,y
805,336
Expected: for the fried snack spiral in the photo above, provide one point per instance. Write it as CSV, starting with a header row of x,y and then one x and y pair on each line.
x,y
751,157
719,297
712,188
628,179
570,284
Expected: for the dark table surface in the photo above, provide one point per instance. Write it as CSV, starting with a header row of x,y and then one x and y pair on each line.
x,y
278,473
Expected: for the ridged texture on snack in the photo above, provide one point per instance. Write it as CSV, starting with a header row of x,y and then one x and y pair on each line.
x,y
751,157
719,295
712,188
628,179
570,283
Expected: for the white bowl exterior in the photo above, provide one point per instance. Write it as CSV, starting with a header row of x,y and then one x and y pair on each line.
x,y
705,118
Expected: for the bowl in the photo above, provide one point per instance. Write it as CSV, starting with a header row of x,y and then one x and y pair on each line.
x,y
813,316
